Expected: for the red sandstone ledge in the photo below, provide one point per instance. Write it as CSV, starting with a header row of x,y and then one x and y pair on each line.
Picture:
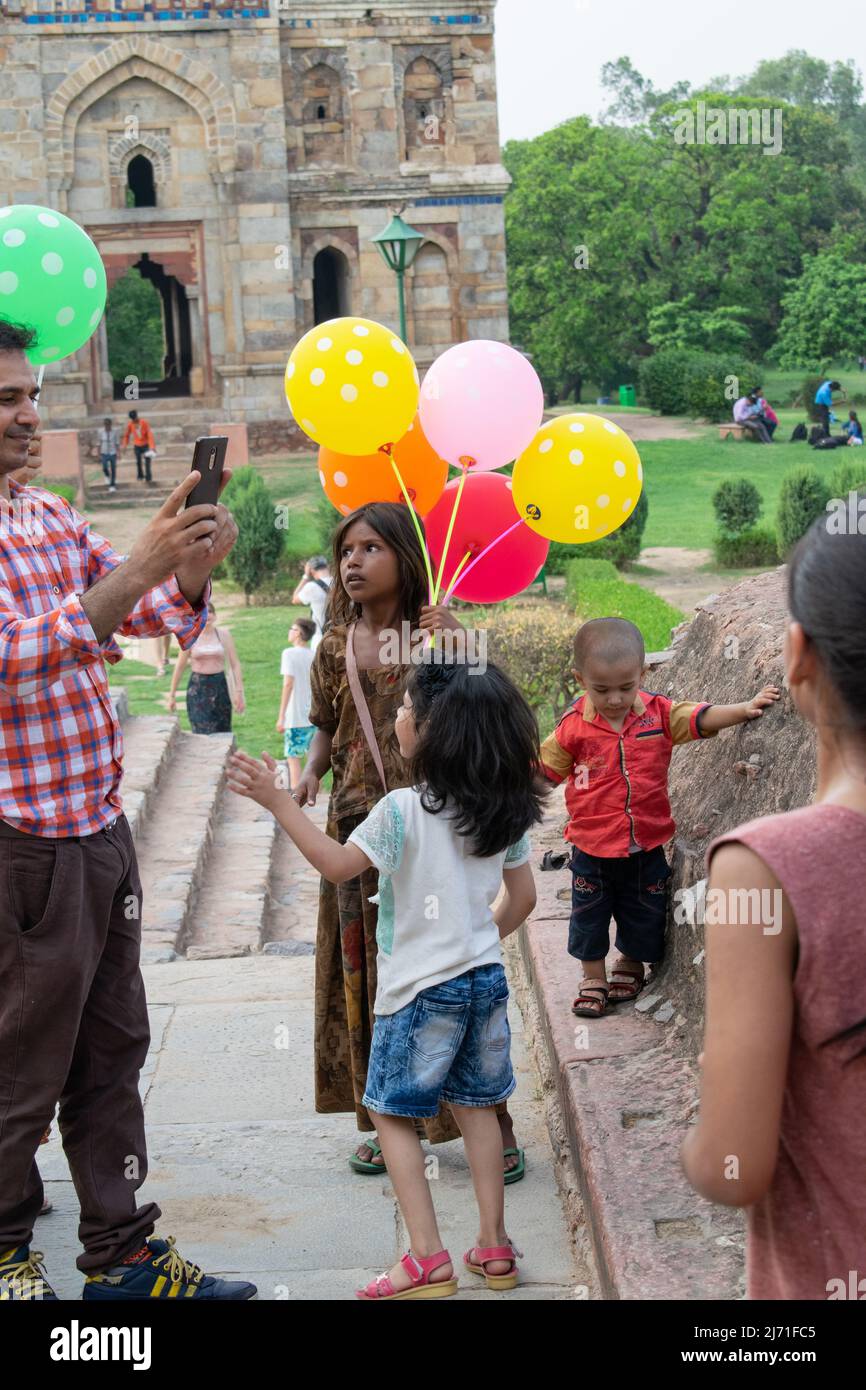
x,y
626,1087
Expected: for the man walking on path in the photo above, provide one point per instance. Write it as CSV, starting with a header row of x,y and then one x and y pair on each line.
x,y
73,1016
108,452
141,434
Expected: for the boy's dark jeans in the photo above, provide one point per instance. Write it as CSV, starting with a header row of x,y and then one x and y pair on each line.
x,y
73,1029
633,891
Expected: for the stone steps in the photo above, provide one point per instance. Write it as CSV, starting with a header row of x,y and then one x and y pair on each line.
x,y
219,877
174,846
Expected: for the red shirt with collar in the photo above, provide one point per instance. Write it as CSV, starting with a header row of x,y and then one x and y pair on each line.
x,y
617,782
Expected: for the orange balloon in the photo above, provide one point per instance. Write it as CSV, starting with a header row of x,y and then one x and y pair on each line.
x,y
350,480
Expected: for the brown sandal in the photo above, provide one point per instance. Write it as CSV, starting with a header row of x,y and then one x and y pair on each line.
x,y
591,1001
627,983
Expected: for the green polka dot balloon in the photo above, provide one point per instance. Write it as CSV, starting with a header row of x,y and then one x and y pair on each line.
x,y
51,279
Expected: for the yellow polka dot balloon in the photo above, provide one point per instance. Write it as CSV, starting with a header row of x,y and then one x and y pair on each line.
x,y
352,385
579,480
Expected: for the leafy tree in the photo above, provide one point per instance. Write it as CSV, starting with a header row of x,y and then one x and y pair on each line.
x,y
824,311
136,343
681,325
634,97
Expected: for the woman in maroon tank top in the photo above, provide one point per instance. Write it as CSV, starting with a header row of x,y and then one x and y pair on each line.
x,y
783,1098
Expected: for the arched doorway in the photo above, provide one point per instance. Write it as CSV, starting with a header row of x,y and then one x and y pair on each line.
x,y
177,356
331,298
140,183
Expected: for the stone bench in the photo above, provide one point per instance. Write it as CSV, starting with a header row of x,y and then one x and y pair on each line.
x,y
736,430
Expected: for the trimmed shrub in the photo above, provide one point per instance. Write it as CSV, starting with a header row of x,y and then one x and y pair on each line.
x,y
533,643
803,497
678,381
737,504
596,590
848,476
621,547
756,546
664,379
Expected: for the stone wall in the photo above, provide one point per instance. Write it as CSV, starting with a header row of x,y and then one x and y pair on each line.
x,y
729,651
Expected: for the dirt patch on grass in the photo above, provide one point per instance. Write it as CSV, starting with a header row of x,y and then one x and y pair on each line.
x,y
682,576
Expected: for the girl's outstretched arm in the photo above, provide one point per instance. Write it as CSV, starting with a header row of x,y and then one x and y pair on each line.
x,y
517,901
262,782
751,941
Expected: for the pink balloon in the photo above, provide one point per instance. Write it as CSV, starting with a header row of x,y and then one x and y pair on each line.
x,y
481,401
486,511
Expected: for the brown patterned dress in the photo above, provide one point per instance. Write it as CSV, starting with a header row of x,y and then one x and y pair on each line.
x,y
346,934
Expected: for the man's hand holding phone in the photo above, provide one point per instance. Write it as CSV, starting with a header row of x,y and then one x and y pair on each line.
x,y
188,542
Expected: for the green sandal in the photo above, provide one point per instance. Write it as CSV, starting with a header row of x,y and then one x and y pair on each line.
x,y
360,1166
515,1174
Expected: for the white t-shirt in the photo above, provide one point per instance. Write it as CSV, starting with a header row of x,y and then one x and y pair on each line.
x,y
317,598
435,920
296,662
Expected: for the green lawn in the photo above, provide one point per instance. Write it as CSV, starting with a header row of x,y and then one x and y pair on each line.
x,y
681,475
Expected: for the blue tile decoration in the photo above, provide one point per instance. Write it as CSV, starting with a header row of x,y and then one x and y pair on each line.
x,y
467,200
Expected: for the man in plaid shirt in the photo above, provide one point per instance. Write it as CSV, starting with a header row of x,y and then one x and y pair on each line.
x,y
73,1015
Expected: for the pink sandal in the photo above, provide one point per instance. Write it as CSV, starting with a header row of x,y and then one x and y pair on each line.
x,y
479,1256
419,1268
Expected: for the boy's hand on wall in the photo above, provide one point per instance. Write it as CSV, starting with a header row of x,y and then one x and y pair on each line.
x,y
768,696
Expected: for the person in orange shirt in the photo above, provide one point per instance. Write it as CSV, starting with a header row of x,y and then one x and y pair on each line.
x,y
141,434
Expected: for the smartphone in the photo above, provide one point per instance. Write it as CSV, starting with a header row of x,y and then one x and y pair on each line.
x,y
209,456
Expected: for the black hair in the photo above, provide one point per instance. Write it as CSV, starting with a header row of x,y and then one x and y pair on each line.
x,y
609,640
391,521
477,752
133,415
827,596
306,627
16,337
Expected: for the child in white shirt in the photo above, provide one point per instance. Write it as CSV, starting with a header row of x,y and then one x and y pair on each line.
x,y
443,848
293,720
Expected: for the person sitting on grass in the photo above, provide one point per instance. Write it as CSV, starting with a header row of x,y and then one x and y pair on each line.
x,y
783,1072
853,429
293,720
613,748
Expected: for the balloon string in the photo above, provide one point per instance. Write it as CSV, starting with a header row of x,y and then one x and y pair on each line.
x,y
415,522
463,477
479,558
455,578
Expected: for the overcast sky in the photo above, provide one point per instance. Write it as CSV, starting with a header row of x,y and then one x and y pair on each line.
x,y
550,52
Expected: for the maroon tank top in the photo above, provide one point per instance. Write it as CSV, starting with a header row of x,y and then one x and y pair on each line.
x,y
810,1228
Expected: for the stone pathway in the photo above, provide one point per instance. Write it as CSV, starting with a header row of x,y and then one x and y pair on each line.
x,y
254,1184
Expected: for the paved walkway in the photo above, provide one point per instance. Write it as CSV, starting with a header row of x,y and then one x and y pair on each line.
x,y
253,1183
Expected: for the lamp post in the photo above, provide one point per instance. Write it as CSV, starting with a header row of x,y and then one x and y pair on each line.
x,y
398,245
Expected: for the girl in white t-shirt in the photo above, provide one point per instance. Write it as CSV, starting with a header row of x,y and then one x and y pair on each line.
x,y
293,720
443,848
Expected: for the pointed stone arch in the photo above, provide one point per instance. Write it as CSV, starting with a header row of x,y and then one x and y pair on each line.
x,y
139,56
126,147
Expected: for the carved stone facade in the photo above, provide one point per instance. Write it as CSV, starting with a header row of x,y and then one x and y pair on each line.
x,y
243,158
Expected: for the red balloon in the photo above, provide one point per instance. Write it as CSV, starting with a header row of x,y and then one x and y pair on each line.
x,y
486,511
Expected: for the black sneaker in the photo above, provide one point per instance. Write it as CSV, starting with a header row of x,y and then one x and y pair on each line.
x,y
157,1271
22,1279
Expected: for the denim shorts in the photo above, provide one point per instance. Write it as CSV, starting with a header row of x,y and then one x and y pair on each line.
x,y
633,891
452,1043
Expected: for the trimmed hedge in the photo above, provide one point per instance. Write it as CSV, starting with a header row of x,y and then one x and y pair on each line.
x,y
678,381
737,504
595,589
755,546
804,496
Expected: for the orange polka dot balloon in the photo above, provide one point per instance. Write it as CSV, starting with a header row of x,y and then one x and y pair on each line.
x,y
350,480
352,385
579,480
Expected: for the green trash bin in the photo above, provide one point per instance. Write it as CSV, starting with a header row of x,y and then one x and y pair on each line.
x,y
626,395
